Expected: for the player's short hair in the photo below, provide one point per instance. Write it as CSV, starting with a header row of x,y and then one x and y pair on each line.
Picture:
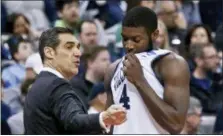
x,y
141,17
50,38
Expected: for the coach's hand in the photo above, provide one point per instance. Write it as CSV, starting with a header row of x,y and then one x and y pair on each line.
x,y
132,69
114,115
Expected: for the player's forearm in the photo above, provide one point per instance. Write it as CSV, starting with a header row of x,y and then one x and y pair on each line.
x,y
165,115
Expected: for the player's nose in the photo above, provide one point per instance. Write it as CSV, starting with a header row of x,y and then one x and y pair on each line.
x,y
129,47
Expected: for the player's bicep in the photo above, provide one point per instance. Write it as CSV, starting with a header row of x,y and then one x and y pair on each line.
x,y
176,84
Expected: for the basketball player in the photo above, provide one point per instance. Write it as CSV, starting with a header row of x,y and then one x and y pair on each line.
x,y
153,85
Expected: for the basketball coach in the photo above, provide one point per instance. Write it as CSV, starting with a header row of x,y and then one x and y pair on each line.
x,y
52,106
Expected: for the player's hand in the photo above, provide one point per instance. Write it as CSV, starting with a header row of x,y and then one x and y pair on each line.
x,y
132,69
114,115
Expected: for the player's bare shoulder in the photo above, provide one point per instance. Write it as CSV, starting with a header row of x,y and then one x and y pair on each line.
x,y
173,65
173,58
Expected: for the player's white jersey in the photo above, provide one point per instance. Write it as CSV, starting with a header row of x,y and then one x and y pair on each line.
x,y
139,119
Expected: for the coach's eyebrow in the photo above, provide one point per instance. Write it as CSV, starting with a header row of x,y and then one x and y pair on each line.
x,y
70,42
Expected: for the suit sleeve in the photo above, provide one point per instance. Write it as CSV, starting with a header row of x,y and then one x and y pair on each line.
x,y
69,111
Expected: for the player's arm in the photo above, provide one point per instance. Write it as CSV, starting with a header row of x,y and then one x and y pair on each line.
x,y
170,112
107,82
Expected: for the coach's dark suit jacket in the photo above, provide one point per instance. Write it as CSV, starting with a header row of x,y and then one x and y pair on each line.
x,y
53,107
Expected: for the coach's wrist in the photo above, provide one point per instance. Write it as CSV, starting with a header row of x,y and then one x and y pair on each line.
x,y
102,117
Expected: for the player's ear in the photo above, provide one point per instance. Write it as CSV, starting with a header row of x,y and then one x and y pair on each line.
x,y
155,35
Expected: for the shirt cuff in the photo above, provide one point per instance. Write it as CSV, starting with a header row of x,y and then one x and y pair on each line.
x,y
106,128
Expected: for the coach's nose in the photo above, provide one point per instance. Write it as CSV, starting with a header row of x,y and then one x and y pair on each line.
x,y
77,52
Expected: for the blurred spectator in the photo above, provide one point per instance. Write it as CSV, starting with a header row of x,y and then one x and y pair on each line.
x,y
174,20
109,12
148,3
211,12
162,40
220,55
14,74
191,11
145,3
33,10
218,38
33,66
12,99
3,17
97,98
95,62
5,114
193,117
198,34
51,11
19,25
15,122
5,53
88,35
219,122
219,45
68,12
203,87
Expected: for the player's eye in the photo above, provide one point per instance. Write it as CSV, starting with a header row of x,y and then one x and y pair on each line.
x,y
125,39
137,39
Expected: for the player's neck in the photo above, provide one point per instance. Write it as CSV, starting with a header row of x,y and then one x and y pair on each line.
x,y
90,76
199,73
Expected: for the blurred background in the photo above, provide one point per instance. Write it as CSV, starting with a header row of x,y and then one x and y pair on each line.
x,y
192,29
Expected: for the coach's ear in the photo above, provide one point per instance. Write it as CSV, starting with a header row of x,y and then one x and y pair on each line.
x,y
49,52
155,35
